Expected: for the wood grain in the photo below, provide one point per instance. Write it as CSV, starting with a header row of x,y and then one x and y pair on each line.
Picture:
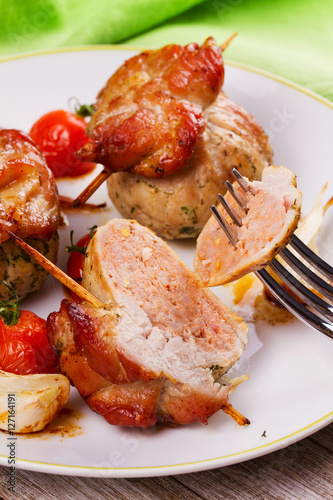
x,y
303,471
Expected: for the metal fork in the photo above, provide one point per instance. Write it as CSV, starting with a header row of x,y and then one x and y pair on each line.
x,y
320,316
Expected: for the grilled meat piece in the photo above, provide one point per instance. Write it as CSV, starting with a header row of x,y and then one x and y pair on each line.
x,y
29,208
149,116
29,204
177,206
155,353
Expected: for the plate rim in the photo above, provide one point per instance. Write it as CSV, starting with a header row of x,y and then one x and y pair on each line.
x,y
185,467
129,48
181,468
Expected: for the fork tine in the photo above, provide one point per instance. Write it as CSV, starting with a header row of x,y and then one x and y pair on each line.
x,y
312,258
235,196
242,182
224,225
293,305
230,211
306,273
302,291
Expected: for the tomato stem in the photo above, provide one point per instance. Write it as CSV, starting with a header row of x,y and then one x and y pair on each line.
x,y
84,110
77,248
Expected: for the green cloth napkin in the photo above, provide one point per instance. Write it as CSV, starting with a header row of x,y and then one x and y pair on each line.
x,y
28,25
293,39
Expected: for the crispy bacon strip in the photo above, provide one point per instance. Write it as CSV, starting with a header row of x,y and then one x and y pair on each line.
x,y
149,115
145,130
29,204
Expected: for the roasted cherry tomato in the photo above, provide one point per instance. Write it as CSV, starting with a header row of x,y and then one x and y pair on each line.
x,y
76,258
24,347
59,134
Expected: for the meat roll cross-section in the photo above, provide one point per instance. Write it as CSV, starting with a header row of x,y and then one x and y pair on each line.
x,y
156,351
29,208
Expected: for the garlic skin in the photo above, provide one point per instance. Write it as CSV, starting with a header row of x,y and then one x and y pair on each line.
x,y
29,402
309,225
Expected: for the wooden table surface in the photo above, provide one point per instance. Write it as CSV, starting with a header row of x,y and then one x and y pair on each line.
x,y
301,471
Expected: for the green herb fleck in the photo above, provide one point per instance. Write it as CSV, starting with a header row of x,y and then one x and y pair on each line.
x,y
188,230
23,256
59,346
190,212
10,311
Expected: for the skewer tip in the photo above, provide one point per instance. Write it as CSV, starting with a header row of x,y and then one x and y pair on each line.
x,y
12,235
235,415
228,41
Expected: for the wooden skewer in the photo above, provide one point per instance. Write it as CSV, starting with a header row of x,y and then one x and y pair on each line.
x,y
228,41
89,191
102,176
56,272
235,415
66,203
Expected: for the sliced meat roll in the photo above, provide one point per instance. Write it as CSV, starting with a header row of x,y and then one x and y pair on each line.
x,y
273,211
156,352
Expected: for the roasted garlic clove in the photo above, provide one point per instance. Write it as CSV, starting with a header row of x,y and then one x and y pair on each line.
x,y
29,402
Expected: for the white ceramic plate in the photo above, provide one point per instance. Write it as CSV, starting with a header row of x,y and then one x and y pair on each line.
x,y
290,391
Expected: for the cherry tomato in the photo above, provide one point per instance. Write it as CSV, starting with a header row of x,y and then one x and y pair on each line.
x,y
24,347
75,263
59,134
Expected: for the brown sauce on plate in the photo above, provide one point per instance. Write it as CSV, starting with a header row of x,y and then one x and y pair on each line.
x,y
64,425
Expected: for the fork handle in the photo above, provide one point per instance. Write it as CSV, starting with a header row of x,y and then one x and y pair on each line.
x,y
293,305
312,258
